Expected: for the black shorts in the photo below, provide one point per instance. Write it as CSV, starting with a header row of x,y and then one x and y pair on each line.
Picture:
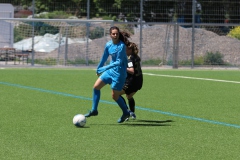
x,y
133,86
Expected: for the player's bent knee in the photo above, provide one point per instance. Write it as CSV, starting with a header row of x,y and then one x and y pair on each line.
x,y
115,98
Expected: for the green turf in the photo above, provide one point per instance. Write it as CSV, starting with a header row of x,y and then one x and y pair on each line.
x,y
177,118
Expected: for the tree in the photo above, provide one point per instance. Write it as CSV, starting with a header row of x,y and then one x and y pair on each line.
x,y
158,11
213,11
232,10
79,7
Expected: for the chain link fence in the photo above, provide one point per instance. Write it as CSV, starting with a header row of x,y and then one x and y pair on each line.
x,y
174,33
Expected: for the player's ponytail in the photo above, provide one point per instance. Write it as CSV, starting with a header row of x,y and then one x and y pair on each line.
x,y
123,36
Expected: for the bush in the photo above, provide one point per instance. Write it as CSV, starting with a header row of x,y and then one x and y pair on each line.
x,y
80,61
46,61
55,15
198,60
235,33
152,62
107,17
98,32
213,58
42,28
185,62
19,33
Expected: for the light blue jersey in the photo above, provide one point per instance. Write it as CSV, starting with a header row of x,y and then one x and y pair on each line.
x,y
115,73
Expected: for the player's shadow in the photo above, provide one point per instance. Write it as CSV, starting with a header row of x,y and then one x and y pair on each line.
x,y
141,122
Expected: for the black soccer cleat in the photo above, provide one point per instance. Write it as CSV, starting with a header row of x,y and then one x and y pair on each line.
x,y
91,113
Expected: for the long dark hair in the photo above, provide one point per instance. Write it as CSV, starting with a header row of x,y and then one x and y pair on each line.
x,y
134,48
123,36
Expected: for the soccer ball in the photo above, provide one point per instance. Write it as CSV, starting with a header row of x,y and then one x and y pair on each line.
x,y
79,120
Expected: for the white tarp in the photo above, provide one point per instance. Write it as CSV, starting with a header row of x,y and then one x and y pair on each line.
x,y
46,43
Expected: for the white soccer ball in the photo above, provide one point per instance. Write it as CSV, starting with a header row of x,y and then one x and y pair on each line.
x,y
79,120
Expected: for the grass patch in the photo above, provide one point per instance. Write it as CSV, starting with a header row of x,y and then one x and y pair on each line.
x,y
177,118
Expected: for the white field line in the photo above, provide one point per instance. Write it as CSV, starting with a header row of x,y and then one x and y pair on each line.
x,y
184,77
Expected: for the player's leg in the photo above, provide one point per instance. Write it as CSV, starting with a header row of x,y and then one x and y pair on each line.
x,y
124,100
122,104
131,91
96,97
131,103
121,93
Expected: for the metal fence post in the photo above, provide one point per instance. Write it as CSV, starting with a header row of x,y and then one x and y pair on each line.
x,y
66,47
59,46
141,17
175,46
33,25
87,34
193,30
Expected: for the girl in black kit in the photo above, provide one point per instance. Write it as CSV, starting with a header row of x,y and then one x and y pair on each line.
x,y
134,78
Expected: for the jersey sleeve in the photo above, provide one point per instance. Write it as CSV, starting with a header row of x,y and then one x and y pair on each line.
x,y
119,60
130,62
103,60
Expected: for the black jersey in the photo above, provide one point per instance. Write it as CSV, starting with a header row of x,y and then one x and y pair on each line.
x,y
134,81
134,62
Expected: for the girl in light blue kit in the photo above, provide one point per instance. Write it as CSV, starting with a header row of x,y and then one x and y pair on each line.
x,y
114,74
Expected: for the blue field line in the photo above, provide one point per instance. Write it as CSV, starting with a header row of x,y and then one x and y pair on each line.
x,y
44,90
137,107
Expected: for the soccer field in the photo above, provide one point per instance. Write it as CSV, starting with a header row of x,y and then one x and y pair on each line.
x,y
181,115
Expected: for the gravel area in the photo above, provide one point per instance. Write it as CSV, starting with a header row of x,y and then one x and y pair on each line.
x,y
158,44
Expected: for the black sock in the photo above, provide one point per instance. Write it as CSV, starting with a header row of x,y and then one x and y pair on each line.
x,y
131,103
124,101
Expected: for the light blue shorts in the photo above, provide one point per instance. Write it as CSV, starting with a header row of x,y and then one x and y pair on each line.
x,y
108,79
